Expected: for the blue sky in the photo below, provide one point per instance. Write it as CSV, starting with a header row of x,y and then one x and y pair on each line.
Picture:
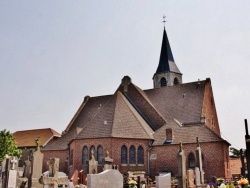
x,y
53,53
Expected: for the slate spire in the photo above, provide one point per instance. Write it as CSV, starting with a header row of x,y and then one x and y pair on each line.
x,y
167,72
166,63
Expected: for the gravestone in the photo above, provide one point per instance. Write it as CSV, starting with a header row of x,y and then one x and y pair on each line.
x,y
163,181
53,177
27,171
108,162
4,172
93,164
107,179
181,176
37,165
197,176
190,178
199,162
61,175
13,174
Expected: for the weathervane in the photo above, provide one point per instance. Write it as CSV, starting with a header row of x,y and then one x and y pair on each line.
x,y
164,21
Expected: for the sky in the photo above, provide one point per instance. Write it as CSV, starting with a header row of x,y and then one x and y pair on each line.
x,y
54,53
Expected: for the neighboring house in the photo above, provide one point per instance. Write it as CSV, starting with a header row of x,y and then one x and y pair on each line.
x,y
26,140
142,129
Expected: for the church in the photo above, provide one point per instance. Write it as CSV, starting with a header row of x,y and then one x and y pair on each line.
x,y
142,129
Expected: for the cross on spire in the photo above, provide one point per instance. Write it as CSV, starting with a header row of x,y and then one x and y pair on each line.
x,y
164,21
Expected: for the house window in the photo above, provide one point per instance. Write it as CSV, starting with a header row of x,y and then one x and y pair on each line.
x,y
84,156
140,156
163,82
168,136
99,154
124,155
132,155
191,161
91,150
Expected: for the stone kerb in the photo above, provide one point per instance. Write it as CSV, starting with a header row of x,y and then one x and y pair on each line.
x,y
107,179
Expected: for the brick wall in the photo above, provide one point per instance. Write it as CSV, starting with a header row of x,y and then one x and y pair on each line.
x,y
61,154
209,109
216,160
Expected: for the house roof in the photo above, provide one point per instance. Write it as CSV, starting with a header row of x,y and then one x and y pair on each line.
x,y
142,114
27,138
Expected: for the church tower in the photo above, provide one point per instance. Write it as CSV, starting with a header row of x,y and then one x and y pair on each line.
x,y
167,73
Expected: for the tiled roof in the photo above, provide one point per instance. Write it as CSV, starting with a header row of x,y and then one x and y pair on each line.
x,y
27,138
133,113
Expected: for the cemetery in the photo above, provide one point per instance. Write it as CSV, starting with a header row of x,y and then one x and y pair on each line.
x,y
31,175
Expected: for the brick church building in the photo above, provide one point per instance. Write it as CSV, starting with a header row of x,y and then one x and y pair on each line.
x,y
142,129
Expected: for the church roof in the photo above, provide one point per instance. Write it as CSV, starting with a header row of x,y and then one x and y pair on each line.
x,y
166,62
141,114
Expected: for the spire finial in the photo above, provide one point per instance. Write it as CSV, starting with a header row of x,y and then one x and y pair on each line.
x,y
164,21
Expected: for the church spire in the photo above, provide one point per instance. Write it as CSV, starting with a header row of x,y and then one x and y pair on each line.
x,y
167,73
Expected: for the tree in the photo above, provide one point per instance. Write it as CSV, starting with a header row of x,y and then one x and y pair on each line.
x,y
235,152
8,145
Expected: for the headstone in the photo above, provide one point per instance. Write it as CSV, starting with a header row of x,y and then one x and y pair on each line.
x,y
93,164
197,176
53,164
163,181
13,173
37,165
181,176
106,179
53,177
108,162
199,161
190,178
4,172
27,171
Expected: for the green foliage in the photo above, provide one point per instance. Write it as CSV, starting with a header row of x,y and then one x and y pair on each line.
x,y
8,145
235,152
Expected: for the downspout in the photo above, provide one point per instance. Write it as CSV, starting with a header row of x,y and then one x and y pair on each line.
x,y
148,151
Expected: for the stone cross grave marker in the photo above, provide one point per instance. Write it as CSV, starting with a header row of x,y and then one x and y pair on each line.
x,y
54,177
108,162
12,174
199,161
181,168
37,165
92,164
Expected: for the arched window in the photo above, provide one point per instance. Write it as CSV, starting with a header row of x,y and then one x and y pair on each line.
x,y
92,150
163,82
132,155
176,81
124,154
140,156
84,156
191,161
99,154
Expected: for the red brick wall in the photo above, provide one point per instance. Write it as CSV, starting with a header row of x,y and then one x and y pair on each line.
x,y
209,109
113,145
215,159
61,154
